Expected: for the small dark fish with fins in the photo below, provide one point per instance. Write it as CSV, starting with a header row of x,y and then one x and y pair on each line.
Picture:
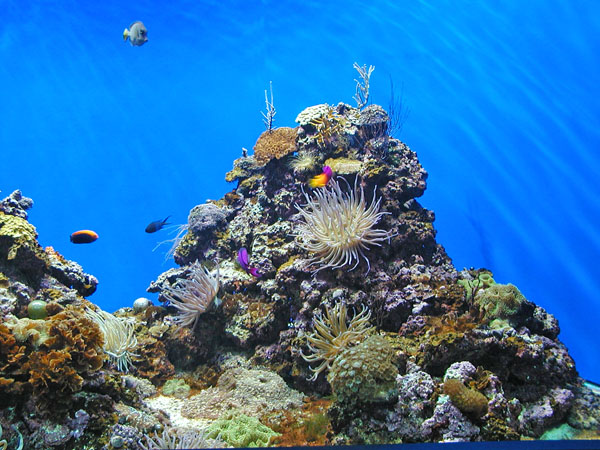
x,y
157,225
84,237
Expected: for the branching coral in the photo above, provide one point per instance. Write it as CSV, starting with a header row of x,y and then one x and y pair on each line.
x,y
119,337
193,296
328,125
332,334
338,227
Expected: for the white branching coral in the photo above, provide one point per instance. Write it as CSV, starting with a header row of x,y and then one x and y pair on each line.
x,y
332,334
119,337
194,295
337,227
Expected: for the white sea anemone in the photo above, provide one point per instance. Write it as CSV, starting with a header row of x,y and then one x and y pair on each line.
x,y
337,227
194,295
119,337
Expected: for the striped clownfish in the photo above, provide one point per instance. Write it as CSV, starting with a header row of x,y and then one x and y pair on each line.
x,y
84,237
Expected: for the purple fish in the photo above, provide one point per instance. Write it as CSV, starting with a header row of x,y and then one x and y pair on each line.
x,y
243,260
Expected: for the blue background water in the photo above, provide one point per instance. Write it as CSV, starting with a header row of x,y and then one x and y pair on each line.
x,y
504,106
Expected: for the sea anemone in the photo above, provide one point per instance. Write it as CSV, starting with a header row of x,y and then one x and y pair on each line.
x,y
193,296
338,226
119,337
332,335
178,438
303,162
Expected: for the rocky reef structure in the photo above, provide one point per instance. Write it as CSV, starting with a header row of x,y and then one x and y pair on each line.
x,y
352,327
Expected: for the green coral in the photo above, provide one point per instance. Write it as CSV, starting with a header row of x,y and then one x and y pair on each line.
x,y
483,281
241,431
365,373
176,387
499,301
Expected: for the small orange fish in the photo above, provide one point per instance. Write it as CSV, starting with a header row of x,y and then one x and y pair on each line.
x,y
84,237
322,179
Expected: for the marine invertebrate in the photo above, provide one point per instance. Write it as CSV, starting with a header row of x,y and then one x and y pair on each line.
x,y
328,125
174,242
241,431
274,144
499,301
269,117
365,373
338,227
193,296
119,337
242,391
174,438
362,87
469,401
333,333
303,162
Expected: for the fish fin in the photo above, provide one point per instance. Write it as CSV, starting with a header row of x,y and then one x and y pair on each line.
x,y
125,34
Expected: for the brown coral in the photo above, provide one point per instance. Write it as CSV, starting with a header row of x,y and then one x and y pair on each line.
x,y
49,359
468,401
274,144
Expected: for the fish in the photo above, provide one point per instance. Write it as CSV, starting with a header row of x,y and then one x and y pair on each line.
x,y
84,237
322,179
243,260
157,225
137,34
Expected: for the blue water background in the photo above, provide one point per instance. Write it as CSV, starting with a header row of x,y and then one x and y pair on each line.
x,y
503,101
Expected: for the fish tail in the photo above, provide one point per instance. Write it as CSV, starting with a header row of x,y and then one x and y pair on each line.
x,y
125,34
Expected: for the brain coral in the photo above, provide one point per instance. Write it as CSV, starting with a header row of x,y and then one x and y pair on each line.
x,y
274,144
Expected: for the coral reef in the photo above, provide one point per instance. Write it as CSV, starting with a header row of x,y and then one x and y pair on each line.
x,y
405,348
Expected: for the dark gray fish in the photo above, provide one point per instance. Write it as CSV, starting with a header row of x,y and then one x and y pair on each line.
x,y
137,34
156,225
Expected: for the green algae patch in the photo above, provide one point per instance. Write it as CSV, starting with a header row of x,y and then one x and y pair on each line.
x,y
241,431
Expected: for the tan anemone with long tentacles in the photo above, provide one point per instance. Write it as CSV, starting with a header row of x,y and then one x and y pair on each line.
x,y
333,333
193,296
337,227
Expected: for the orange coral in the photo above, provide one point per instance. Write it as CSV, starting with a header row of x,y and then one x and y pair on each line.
x,y
274,144
306,427
52,367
